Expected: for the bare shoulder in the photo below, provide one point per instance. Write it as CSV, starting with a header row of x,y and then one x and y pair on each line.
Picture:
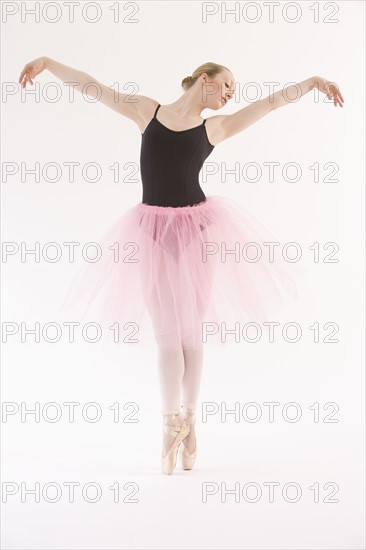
x,y
141,110
214,128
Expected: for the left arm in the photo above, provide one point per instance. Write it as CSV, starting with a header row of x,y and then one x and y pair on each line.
x,y
229,125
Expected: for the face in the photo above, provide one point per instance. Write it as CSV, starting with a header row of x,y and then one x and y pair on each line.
x,y
220,89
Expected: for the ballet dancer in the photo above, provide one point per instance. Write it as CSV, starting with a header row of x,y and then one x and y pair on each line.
x,y
172,223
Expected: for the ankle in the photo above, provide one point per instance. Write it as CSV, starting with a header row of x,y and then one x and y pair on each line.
x,y
172,419
188,413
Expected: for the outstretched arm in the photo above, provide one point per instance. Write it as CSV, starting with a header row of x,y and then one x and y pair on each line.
x,y
79,79
229,125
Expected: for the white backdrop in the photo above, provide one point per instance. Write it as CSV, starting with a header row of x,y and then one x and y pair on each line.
x,y
152,46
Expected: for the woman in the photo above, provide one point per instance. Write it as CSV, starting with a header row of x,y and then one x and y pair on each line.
x,y
179,276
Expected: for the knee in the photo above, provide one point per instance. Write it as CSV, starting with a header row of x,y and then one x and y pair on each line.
x,y
192,340
168,341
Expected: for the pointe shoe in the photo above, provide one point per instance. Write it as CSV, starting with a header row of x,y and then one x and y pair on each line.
x,y
188,459
168,462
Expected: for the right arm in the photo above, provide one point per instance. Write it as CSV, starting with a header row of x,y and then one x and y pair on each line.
x,y
138,111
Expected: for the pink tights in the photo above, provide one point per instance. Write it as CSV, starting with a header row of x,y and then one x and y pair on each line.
x,y
180,373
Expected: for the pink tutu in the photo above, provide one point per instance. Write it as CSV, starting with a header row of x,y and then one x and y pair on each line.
x,y
186,275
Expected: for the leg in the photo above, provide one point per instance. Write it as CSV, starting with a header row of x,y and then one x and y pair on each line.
x,y
170,354
193,356
192,342
193,359
171,371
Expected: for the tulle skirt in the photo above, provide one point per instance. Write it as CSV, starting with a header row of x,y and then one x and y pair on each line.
x,y
185,276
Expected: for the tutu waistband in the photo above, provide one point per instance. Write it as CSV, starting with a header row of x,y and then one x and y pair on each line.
x,y
157,209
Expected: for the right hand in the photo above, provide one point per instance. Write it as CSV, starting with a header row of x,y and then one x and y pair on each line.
x,y
31,70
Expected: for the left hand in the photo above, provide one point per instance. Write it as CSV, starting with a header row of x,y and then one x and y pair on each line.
x,y
329,88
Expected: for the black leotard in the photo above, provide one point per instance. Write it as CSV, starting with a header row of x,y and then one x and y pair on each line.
x,y
170,163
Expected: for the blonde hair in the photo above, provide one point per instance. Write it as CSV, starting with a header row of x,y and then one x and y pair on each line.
x,y
210,68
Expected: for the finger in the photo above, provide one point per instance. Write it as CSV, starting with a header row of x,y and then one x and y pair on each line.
x,y
21,75
26,70
338,95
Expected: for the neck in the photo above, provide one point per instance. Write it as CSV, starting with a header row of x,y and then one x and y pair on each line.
x,y
189,105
